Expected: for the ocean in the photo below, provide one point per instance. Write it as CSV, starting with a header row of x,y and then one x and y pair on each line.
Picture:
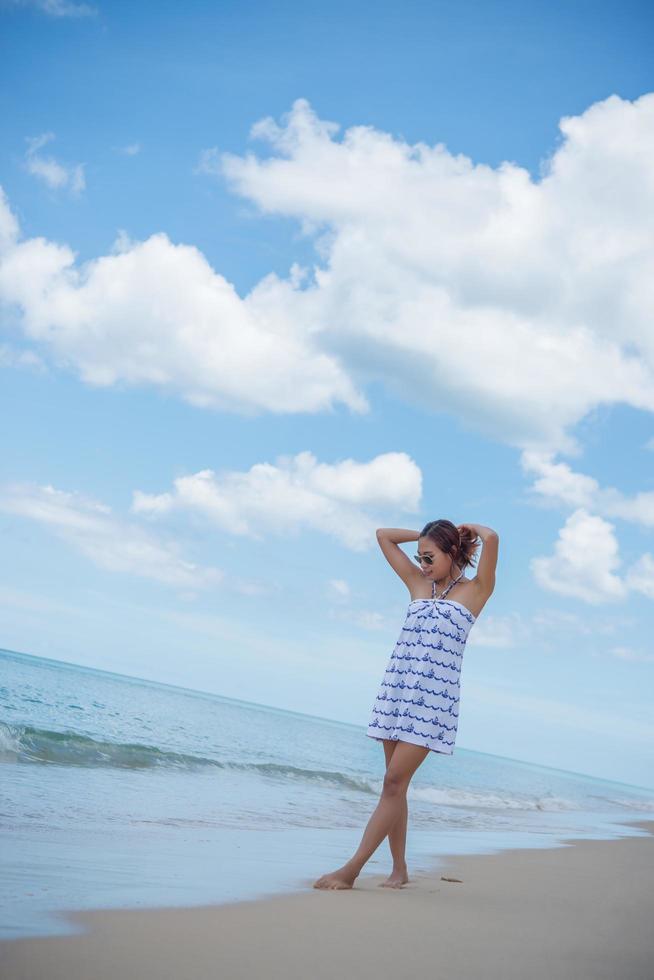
x,y
128,793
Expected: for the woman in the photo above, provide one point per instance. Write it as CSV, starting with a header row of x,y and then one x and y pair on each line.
x,y
416,709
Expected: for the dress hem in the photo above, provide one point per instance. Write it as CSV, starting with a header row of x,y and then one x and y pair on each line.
x,y
406,737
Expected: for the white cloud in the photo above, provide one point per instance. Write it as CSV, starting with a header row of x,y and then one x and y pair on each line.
x,y
543,632
49,170
497,631
516,304
586,556
57,8
365,619
296,493
131,149
585,562
112,544
557,482
156,313
9,229
641,575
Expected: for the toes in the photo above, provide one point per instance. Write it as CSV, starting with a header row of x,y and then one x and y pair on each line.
x,y
330,883
323,882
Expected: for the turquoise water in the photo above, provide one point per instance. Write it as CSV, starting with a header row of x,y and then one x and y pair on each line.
x,y
120,792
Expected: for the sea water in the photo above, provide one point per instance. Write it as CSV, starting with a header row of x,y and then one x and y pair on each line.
x,y
121,792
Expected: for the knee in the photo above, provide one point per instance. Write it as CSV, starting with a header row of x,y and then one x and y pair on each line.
x,y
394,784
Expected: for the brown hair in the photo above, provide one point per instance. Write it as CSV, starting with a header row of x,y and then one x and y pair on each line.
x,y
446,536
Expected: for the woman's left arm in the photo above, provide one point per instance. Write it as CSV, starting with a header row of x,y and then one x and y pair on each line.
x,y
485,577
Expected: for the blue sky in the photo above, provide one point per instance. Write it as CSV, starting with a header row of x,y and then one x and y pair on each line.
x,y
273,277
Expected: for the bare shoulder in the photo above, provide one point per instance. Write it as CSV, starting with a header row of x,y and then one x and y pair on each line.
x,y
472,594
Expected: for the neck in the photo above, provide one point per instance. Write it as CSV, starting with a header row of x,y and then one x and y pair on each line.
x,y
445,581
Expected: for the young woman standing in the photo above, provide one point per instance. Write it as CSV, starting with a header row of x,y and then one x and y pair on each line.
x,y
416,709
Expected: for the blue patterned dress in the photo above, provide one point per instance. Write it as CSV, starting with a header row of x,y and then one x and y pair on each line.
x,y
418,700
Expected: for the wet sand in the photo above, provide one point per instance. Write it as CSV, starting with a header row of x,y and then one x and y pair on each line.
x,y
584,911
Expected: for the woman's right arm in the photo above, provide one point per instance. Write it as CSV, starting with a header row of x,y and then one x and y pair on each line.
x,y
389,539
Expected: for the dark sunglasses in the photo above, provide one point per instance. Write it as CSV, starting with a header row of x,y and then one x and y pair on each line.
x,y
427,560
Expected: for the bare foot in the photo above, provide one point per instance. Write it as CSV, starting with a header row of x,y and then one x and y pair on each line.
x,y
396,879
341,878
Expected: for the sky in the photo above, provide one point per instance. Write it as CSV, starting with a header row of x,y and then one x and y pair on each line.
x,y
273,276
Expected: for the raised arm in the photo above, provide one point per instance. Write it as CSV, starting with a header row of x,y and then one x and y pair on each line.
x,y
485,577
389,539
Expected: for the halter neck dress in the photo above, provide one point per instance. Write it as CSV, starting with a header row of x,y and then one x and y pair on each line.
x,y
418,700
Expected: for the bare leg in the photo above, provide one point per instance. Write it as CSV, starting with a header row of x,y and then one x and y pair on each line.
x,y
405,761
397,836
397,842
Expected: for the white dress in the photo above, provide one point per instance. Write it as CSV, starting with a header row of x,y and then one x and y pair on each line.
x,y
418,700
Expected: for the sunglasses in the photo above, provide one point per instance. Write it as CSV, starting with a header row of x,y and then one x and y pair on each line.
x,y
424,558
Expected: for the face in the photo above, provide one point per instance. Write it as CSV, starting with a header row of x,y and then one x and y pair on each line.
x,y
441,562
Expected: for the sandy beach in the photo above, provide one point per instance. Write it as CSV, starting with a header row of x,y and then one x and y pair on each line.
x,y
583,911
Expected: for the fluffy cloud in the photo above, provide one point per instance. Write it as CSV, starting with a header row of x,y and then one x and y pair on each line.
x,y
156,313
108,542
296,493
49,170
586,556
584,562
518,304
558,483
